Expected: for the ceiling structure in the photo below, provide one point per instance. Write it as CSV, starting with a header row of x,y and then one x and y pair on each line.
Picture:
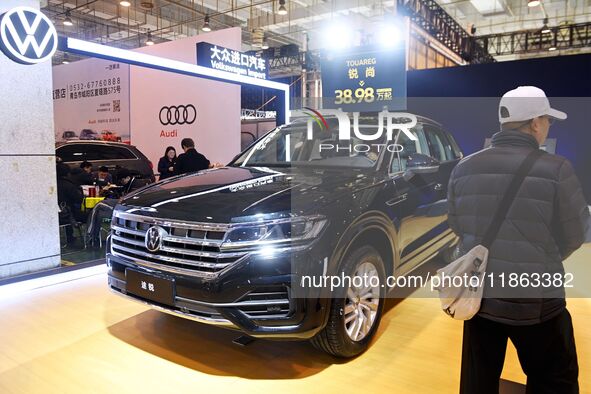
x,y
108,22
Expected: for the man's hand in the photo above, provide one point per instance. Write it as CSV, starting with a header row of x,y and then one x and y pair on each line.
x,y
215,165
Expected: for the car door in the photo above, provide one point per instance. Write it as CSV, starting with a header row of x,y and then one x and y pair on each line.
x,y
410,199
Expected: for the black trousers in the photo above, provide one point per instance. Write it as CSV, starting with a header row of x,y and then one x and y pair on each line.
x,y
546,352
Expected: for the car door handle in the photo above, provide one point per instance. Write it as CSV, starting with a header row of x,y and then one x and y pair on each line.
x,y
397,200
438,187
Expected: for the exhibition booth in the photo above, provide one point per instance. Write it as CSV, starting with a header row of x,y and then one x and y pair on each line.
x,y
221,261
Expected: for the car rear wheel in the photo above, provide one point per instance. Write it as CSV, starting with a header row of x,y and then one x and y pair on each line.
x,y
356,311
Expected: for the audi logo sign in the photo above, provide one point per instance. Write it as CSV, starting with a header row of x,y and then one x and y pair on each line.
x,y
180,114
27,36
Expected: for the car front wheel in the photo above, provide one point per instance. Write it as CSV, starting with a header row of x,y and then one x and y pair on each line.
x,y
356,309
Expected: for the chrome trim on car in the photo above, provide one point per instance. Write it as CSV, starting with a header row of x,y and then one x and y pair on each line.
x,y
236,304
166,268
201,319
219,227
169,259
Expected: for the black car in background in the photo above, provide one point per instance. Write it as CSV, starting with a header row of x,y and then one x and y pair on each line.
x,y
230,246
110,154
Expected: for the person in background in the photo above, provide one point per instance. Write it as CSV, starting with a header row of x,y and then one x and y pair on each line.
x,y
86,177
191,160
167,163
125,184
546,223
69,197
103,177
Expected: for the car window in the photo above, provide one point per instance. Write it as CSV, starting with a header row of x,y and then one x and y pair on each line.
x,y
408,147
70,153
439,145
107,152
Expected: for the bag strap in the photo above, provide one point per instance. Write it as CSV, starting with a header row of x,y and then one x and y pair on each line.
x,y
509,197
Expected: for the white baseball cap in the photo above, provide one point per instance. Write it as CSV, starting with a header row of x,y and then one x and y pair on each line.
x,y
525,103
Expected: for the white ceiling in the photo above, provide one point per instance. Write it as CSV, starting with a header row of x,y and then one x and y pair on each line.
x,y
108,22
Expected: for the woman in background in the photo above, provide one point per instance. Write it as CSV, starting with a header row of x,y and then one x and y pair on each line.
x,y
167,163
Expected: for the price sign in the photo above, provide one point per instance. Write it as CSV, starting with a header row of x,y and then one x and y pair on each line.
x,y
365,79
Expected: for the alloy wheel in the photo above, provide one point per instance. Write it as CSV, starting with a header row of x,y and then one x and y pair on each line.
x,y
361,303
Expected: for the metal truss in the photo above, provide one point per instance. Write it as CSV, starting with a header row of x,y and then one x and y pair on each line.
x,y
531,41
429,16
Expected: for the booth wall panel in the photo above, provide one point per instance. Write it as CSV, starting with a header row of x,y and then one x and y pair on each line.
x,y
216,130
29,238
465,100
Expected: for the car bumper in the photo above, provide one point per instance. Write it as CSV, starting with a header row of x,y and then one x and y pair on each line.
x,y
254,297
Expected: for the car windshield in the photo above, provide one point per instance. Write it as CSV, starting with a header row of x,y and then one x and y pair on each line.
x,y
309,143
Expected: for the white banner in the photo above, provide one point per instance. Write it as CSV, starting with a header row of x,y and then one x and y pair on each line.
x,y
91,101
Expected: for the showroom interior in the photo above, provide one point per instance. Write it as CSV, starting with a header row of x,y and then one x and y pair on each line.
x,y
128,267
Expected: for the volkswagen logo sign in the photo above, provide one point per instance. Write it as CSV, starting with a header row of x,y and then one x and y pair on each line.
x,y
181,114
27,36
154,237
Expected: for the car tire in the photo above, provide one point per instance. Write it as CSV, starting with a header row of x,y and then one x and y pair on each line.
x,y
335,338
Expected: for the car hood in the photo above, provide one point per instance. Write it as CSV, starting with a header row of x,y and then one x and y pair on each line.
x,y
228,194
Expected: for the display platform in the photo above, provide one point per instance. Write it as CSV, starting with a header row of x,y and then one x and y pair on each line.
x,y
77,337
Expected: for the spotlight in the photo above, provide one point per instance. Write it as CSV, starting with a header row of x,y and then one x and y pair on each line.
x,y
68,20
66,59
265,45
552,48
545,28
282,10
389,35
206,26
533,3
125,3
338,36
149,41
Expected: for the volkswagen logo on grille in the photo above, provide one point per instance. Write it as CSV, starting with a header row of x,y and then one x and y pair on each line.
x,y
180,114
154,237
27,36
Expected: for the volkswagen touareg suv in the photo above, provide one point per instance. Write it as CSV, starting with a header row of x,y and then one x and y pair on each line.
x,y
237,246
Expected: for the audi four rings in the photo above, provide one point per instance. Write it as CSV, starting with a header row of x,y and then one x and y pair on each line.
x,y
180,114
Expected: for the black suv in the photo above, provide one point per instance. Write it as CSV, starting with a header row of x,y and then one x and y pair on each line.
x,y
108,154
232,246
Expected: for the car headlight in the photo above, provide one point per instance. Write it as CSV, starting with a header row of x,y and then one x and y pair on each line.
x,y
273,232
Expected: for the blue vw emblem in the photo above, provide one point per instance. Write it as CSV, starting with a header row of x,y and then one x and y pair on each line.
x,y
27,36
154,237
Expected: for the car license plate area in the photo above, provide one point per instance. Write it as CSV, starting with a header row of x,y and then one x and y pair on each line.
x,y
150,287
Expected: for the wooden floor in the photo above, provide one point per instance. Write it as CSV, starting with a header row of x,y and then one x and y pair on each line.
x,y
77,337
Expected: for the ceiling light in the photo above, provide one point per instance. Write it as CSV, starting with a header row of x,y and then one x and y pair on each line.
x,y
149,41
206,26
125,3
337,36
545,28
552,48
68,20
282,10
533,3
389,36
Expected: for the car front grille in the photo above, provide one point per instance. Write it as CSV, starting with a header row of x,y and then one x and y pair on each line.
x,y
188,248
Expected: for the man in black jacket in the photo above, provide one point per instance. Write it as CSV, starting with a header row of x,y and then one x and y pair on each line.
x,y
191,160
545,224
69,198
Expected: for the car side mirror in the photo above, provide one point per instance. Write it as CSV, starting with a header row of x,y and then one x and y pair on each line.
x,y
418,163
